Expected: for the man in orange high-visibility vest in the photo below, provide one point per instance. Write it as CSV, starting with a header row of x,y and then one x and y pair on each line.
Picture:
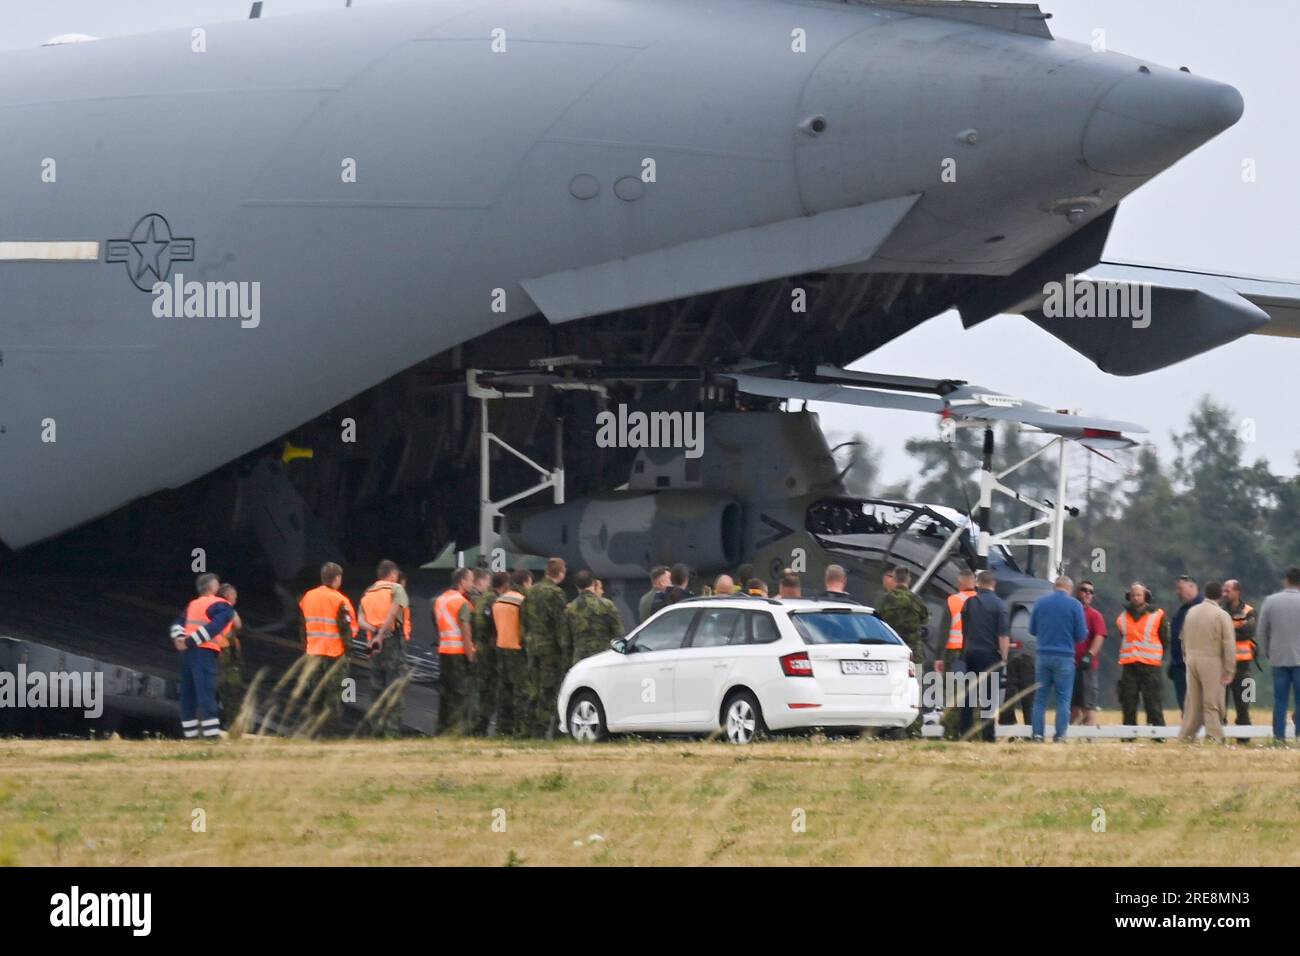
x,y
196,634
329,623
965,591
453,621
511,666
384,610
1144,635
951,660
1244,620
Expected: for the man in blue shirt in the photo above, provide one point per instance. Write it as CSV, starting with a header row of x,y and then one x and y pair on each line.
x,y
1058,624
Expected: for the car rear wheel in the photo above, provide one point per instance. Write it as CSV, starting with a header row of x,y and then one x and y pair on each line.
x,y
586,718
742,718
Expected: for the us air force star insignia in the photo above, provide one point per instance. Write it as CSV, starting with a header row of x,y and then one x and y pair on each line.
x,y
149,251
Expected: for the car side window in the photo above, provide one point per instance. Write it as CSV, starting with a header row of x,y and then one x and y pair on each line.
x,y
719,627
762,628
665,633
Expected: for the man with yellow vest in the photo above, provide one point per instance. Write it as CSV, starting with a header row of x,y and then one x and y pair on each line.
x,y
384,609
1144,635
952,652
329,623
452,613
195,634
1244,620
511,666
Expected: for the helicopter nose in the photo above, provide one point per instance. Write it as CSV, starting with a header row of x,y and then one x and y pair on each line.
x,y
1154,117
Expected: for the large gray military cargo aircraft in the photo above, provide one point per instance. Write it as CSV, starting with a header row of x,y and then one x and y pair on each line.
x,y
219,240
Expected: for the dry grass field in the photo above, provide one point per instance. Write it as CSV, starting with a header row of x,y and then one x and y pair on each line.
x,y
467,802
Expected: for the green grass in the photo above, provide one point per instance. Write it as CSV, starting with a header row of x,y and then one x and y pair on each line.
x,y
795,802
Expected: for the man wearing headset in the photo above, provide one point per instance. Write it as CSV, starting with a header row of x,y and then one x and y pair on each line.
x,y
1144,635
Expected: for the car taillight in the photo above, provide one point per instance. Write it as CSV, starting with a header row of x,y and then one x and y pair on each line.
x,y
911,668
797,665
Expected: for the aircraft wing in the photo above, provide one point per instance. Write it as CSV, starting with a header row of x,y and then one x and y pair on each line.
x,y
1187,313
960,401
1279,299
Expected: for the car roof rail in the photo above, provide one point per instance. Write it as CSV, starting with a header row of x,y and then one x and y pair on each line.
x,y
726,597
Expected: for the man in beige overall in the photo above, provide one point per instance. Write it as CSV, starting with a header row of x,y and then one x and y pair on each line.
x,y
1210,650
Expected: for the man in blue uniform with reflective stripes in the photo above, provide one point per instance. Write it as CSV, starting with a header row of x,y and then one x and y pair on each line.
x,y
194,634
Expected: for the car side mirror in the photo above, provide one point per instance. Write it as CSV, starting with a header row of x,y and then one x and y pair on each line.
x,y
618,645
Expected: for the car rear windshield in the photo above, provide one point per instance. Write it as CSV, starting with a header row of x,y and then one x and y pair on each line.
x,y
842,627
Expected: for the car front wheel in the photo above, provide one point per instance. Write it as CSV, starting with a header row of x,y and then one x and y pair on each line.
x,y
742,718
586,718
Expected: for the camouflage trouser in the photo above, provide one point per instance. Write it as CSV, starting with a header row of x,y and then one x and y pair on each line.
x,y
1237,694
230,684
483,693
454,685
952,664
1020,677
324,697
543,687
387,668
512,693
1141,680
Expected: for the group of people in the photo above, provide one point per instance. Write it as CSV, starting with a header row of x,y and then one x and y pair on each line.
x,y
505,642
668,585
1212,646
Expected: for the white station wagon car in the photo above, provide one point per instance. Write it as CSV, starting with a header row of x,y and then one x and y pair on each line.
x,y
744,666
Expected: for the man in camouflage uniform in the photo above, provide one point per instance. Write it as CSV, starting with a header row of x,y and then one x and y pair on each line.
x,y
327,627
483,697
383,612
593,620
547,647
230,663
907,614
453,616
512,697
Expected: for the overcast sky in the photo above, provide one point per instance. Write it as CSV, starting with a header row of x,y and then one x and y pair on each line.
x,y
1199,214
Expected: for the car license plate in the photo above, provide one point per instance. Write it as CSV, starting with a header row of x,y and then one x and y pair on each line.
x,y
864,667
